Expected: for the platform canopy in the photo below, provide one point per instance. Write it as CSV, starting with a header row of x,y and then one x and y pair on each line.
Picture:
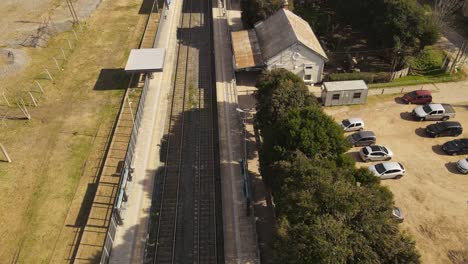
x,y
145,60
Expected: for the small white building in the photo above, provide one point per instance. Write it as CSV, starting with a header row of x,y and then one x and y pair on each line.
x,y
344,93
284,40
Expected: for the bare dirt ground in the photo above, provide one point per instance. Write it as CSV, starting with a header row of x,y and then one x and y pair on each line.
x,y
433,195
56,154
32,23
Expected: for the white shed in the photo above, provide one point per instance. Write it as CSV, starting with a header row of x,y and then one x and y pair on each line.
x,y
283,40
344,93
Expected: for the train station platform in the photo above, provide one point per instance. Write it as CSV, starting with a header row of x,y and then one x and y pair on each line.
x,y
240,240
130,238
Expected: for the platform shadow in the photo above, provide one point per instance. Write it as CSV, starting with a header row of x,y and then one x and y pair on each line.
x,y
112,79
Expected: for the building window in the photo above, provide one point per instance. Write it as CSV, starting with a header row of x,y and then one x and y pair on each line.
x,y
307,77
357,95
336,97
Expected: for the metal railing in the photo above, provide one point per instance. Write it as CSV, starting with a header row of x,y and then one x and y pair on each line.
x,y
118,212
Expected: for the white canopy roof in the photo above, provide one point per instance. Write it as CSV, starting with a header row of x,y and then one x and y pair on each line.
x,y
146,60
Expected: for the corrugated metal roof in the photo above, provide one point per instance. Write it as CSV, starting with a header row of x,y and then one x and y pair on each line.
x,y
283,29
246,49
345,85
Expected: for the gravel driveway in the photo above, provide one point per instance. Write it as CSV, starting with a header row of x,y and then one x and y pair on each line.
x,y
433,195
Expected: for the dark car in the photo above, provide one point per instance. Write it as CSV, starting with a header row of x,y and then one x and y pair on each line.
x,y
456,146
443,129
418,97
362,138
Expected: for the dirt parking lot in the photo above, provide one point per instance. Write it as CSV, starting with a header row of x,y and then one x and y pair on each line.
x,y
433,195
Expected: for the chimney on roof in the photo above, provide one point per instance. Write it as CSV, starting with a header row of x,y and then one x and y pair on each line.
x,y
285,4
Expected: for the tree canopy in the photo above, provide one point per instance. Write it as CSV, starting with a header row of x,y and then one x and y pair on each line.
x,y
398,24
254,11
328,211
325,215
277,91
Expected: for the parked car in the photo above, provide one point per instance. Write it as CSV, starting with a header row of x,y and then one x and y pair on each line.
x,y
398,214
418,97
362,138
352,124
446,128
462,166
456,146
433,112
388,170
375,152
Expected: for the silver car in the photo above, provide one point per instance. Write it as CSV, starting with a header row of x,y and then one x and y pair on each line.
x,y
462,166
398,214
375,152
352,124
388,170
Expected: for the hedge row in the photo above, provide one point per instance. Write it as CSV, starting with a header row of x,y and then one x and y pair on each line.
x,y
368,77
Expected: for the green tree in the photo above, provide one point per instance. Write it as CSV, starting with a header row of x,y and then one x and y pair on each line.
x,y
325,215
399,24
254,11
323,241
279,91
307,129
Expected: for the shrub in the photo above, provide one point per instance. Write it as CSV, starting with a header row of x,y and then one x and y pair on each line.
x,y
367,77
429,58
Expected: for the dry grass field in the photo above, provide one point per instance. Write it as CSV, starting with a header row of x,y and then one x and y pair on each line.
x,y
57,153
433,195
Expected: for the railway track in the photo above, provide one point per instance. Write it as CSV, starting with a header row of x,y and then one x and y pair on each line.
x,y
185,224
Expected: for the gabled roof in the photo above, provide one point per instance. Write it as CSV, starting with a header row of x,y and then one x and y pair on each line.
x,y
284,29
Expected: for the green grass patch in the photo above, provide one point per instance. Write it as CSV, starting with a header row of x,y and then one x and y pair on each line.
x,y
436,77
193,96
429,59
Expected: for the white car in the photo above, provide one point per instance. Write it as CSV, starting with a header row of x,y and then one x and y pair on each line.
x,y
388,170
462,166
375,152
352,124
